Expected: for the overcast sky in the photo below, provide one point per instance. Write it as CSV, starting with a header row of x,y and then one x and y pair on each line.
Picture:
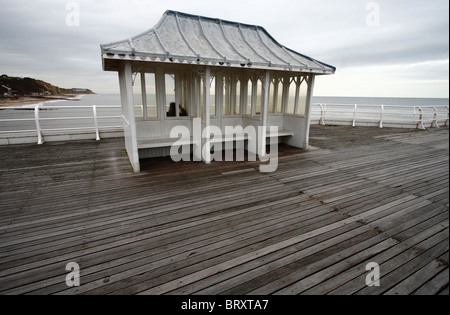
x,y
384,48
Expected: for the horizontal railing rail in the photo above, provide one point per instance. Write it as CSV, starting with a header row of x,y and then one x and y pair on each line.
x,y
45,119
420,117
42,119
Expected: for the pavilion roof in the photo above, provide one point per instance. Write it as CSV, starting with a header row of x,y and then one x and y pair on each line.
x,y
191,39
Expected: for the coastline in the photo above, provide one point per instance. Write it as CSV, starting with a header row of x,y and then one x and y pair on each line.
x,y
25,100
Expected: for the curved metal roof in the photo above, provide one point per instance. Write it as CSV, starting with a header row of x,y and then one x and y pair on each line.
x,y
192,39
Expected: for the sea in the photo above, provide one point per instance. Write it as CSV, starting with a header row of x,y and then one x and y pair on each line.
x,y
114,99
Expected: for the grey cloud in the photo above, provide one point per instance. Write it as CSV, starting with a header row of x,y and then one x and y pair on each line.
x,y
34,38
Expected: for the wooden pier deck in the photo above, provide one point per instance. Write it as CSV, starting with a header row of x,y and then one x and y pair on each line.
x,y
311,227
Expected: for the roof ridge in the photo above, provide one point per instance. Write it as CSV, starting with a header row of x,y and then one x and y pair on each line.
x,y
207,18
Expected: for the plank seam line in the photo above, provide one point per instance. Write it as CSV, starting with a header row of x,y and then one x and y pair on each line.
x,y
169,286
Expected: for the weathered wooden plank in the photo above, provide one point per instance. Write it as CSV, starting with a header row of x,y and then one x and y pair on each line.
x,y
225,227
402,270
217,218
312,252
436,285
183,245
343,282
343,265
414,281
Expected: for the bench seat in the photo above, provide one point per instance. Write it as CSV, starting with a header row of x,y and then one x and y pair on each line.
x,y
163,142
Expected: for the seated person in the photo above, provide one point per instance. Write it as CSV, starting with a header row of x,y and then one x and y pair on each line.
x,y
183,112
171,112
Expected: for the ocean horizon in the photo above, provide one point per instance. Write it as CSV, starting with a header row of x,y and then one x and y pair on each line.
x,y
401,101
114,99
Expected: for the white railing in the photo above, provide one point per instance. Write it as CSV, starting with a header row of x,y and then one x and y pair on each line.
x,y
42,120
420,117
39,121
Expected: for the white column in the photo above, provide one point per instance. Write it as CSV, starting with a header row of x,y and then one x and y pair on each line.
x,y
254,96
160,82
265,98
264,111
144,94
178,96
197,95
196,121
308,105
275,95
244,95
126,90
207,103
220,99
297,82
233,82
285,94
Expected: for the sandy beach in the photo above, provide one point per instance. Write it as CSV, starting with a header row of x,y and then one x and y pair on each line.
x,y
32,100
19,102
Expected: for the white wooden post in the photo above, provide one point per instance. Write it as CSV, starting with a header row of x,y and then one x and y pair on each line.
x,y
244,95
285,98
126,83
160,82
254,95
178,88
448,115
233,95
207,103
207,96
308,105
434,123
97,133
264,111
196,122
298,82
38,124
354,115
196,84
419,124
144,95
322,115
226,103
275,94
380,124
219,97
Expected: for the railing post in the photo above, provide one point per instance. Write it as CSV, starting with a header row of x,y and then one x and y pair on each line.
x,y
381,117
354,116
38,124
434,123
97,134
419,124
448,114
322,114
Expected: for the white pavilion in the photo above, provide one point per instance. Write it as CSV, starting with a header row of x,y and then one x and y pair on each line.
x,y
224,73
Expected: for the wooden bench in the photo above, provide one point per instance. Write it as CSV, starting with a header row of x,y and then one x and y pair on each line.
x,y
164,142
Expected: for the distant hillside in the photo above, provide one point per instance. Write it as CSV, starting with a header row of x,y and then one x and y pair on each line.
x,y
15,86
